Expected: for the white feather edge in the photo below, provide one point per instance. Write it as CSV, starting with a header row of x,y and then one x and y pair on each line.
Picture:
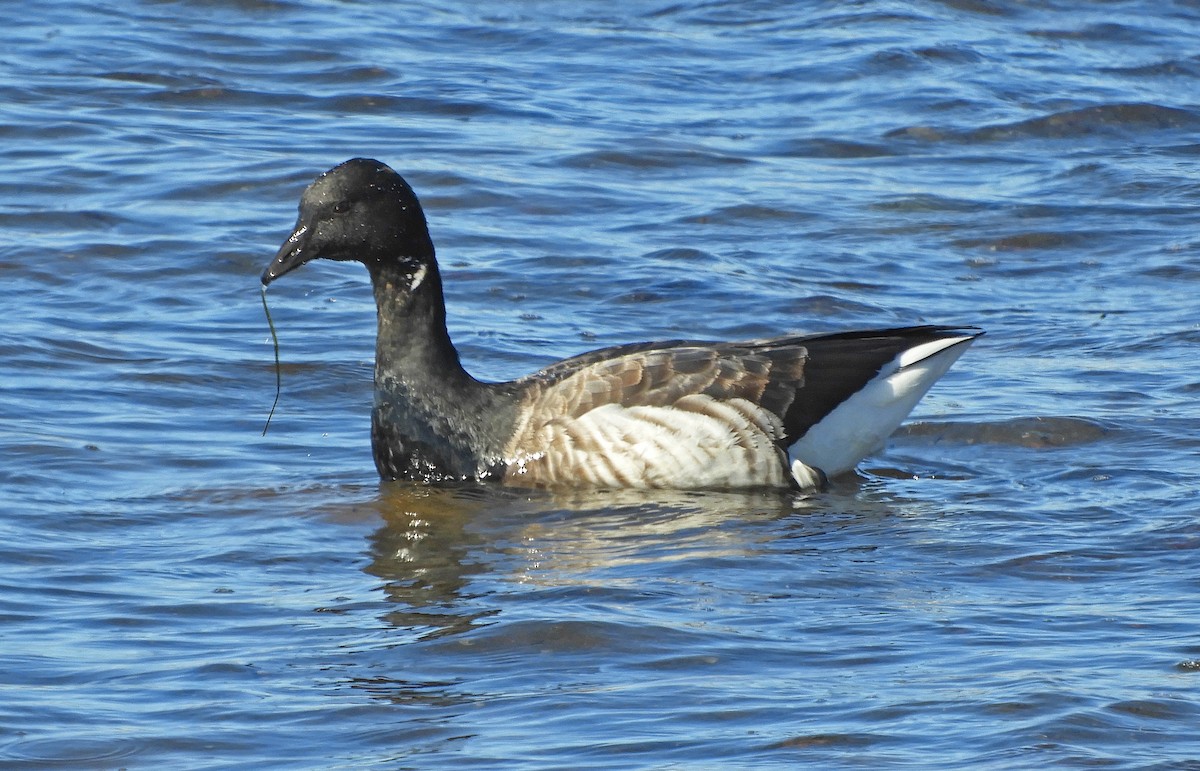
x,y
861,424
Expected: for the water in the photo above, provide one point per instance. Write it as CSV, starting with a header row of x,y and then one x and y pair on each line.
x,y
1011,583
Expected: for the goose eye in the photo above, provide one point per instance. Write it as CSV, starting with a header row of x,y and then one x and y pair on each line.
x,y
341,207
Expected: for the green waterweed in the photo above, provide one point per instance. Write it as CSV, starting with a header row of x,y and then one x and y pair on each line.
x,y
278,367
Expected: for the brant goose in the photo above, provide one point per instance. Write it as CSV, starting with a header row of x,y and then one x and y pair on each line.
x,y
780,412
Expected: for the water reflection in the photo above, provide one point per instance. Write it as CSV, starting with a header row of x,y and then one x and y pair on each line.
x,y
584,537
424,555
493,592
446,556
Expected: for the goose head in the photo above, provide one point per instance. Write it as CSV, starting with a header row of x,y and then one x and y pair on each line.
x,y
360,211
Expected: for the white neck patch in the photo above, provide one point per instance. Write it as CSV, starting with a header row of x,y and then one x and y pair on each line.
x,y
418,277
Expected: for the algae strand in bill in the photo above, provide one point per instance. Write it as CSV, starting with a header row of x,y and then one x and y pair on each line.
x,y
278,367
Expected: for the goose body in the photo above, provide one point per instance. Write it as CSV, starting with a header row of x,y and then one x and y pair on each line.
x,y
779,412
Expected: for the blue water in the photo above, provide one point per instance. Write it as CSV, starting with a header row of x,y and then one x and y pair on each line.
x,y
1011,583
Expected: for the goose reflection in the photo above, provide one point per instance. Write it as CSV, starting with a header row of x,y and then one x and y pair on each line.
x,y
477,578
426,555
447,557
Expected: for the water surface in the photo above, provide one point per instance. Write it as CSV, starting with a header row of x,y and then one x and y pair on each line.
x,y
1010,583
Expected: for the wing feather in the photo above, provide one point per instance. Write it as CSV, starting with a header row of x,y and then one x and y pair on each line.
x,y
687,413
660,416
661,377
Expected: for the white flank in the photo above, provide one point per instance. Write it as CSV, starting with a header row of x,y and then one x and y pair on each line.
x,y
859,425
698,443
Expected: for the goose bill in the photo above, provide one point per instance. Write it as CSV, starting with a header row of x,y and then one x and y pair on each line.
x,y
295,252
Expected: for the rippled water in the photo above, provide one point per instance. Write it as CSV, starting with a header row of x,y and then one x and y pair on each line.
x,y
1012,582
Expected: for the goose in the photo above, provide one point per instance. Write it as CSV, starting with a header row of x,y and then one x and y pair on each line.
x,y
784,412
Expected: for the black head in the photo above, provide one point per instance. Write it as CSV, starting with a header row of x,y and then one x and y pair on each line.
x,y
360,210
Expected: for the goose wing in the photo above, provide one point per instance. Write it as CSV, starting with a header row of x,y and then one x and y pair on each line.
x,y
662,415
